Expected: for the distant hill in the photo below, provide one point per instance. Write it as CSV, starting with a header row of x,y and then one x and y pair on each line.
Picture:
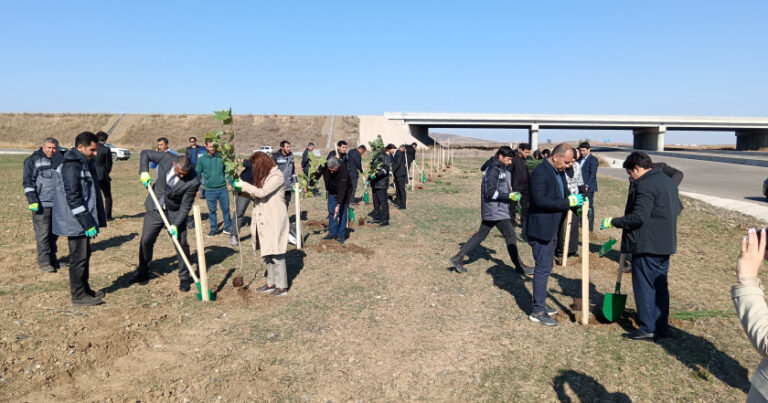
x,y
135,132
455,140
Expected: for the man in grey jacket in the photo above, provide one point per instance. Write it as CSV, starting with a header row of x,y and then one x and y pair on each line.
x,y
39,188
650,234
495,194
78,213
284,160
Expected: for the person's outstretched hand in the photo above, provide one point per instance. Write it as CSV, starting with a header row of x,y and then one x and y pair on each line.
x,y
752,254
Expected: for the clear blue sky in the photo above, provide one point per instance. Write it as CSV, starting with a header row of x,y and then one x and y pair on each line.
x,y
581,57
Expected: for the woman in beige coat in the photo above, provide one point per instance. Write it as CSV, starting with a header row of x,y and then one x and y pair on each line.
x,y
749,299
269,222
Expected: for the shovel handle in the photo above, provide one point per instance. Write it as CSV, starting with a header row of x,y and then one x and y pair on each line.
x,y
622,258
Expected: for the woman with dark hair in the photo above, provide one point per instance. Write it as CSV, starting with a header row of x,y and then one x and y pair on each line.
x,y
269,222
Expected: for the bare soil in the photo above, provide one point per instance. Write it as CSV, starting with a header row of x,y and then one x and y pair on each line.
x,y
381,318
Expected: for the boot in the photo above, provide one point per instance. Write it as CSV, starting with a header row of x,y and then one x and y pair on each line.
x,y
514,255
86,300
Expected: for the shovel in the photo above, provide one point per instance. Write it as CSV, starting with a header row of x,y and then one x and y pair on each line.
x,y
606,247
179,248
613,303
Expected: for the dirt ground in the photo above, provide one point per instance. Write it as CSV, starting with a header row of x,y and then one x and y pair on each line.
x,y
381,318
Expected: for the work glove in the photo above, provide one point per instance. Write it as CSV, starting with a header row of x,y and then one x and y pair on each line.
x,y
91,232
607,223
174,232
34,207
237,184
514,196
373,176
145,179
575,200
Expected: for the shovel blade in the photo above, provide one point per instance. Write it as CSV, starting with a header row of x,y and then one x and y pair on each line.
x,y
199,295
613,306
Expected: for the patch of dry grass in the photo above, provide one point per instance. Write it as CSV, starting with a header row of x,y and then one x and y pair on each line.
x,y
381,318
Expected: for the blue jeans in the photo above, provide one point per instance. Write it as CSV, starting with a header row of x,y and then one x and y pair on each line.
x,y
649,283
337,227
543,253
222,195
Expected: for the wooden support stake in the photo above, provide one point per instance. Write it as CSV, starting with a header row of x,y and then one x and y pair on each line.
x,y
298,215
585,264
567,239
201,253
431,161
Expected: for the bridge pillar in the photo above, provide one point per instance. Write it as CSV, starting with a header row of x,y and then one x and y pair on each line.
x,y
754,139
533,137
421,133
649,138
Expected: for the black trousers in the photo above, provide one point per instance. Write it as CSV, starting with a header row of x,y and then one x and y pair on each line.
x,y
106,190
573,238
354,188
507,230
400,194
380,205
79,269
46,239
153,224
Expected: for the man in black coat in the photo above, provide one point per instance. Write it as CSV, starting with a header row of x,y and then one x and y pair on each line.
x,y
103,161
589,165
380,184
520,183
339,188
549,202
400,173
649,234
176,187
305,157
355,157
410,151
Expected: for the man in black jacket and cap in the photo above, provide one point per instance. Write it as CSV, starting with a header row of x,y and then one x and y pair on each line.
x,y
649,233
176,187
103,162
379,185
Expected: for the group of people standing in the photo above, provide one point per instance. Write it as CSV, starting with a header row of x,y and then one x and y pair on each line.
x,y
562,182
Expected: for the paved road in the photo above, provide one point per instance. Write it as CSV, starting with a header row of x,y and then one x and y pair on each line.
x,y
733,186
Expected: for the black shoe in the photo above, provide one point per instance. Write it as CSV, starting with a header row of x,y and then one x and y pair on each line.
x,y
639,335
47,269
384,224
401,208
374,221
141,278
327,237
110,218
184,286
212,233
543,318
96,294
526,270
457,264
549,310
340,240
87,300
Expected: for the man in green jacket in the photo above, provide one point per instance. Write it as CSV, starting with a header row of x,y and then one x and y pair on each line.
x,y
210,166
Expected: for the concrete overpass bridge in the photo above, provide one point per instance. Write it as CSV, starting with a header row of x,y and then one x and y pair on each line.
x,y
648,131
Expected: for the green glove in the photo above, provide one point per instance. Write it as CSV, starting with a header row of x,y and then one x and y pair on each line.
x,y
575,200
174,232
373,176
34,207
145,179
514,196
91,232
237,184
607,223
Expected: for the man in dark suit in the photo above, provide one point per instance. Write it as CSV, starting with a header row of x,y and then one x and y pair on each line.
x,y
649,234
103,161
400,172
549,201
589,172
176,187
520,183
355,157
410,151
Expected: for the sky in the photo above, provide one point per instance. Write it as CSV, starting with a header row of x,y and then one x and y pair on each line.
x,y
703,58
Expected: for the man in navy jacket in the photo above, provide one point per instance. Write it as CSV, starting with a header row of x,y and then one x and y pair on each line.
x,y
589,172
549,201
649,231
